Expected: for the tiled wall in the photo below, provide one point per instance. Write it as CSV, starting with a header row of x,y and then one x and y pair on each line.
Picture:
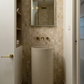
x,y
56,40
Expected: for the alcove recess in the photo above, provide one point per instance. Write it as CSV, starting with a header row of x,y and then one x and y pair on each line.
x,y
19,24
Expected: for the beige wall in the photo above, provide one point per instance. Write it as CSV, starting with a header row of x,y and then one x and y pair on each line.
x,y
56,40
70,54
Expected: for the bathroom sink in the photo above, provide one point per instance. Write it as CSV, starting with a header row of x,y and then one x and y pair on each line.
x,y
42,65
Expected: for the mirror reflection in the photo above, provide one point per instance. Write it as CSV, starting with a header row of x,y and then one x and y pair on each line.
x,y
42,12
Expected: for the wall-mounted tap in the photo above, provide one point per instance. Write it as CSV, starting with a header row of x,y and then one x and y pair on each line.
x,y
37,38
47,38
42,38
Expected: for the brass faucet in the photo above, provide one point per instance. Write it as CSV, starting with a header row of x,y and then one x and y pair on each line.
x,y
37,38
42,38
47,38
